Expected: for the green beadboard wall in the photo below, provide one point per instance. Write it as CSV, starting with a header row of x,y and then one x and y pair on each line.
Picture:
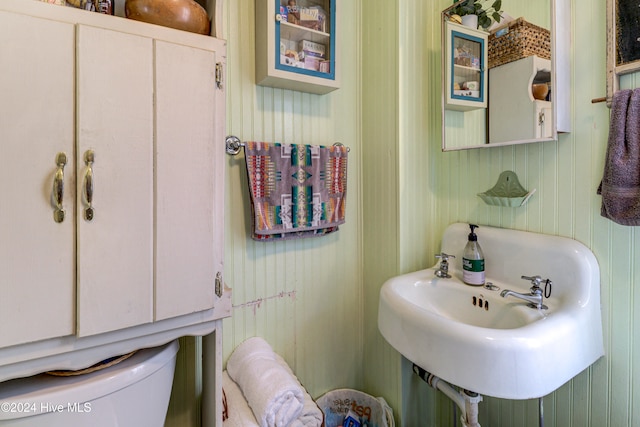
x,y
566,175
316,301
430,189
303,296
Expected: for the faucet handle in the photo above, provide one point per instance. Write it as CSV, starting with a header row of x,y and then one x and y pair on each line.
x,y
443,269
536,281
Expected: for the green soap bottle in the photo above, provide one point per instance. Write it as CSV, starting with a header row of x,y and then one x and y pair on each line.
x,y
473,260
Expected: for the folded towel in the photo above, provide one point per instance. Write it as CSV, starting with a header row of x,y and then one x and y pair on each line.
x,y
620,185
296,190
237,410
274,395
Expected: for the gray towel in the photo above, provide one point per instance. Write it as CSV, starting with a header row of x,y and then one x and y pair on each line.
x,y
620,185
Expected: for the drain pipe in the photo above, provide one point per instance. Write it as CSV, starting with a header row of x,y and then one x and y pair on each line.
x,y
467,401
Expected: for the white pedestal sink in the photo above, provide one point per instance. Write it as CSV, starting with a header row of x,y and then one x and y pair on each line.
x,y
472,337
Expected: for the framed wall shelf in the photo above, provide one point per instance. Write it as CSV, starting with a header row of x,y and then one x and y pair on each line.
x,y
296,45
466,61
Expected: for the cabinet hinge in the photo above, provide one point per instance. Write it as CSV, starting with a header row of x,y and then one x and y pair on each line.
x,y
218,289
219,75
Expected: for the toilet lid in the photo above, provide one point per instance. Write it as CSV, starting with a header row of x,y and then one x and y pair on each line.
x,y
33,395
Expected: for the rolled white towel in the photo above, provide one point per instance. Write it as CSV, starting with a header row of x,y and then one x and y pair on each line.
x,y
311,415
274,395
237,409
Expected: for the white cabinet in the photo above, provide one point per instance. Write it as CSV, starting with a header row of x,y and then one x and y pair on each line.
x,y
296,45
465,67
138,258
514,113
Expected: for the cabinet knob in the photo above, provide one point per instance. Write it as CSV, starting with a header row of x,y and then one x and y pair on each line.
x,y
89,158
57,194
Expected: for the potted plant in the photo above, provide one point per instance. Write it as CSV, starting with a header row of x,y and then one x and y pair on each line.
x,y
476,9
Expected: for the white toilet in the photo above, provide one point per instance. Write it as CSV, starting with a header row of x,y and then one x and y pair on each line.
x,y
131,393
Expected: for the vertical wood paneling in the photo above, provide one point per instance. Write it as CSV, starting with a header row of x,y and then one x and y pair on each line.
x,y
621,319
635,326
303,297
566,175
380,159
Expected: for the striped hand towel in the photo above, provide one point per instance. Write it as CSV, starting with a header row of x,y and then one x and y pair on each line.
x,y
296,191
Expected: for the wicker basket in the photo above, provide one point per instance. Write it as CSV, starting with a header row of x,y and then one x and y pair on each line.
x,y
97,367
518,40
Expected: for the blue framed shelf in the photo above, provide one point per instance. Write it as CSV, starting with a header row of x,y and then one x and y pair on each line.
x,y
466,65
296,45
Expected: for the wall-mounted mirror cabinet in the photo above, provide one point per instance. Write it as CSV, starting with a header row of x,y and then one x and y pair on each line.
x,y
509,84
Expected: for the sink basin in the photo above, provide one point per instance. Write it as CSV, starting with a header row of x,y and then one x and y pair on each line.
x,y
472,337
457,302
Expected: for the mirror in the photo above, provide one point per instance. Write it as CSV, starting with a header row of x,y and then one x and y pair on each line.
x,y
489,81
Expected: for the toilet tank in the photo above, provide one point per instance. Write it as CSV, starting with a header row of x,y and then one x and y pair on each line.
x,y
132,393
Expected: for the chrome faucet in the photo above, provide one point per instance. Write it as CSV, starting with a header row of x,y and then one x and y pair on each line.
x,y
443,270
536,294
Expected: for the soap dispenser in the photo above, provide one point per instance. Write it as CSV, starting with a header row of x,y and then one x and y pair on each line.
x,y
473,260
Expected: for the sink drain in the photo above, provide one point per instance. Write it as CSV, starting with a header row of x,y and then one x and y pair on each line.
x,y
480,302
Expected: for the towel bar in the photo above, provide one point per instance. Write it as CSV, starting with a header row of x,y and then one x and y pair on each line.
x,y
233,145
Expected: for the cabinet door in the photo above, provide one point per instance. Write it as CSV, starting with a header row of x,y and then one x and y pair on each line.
x,y
186,167
36,122
115,121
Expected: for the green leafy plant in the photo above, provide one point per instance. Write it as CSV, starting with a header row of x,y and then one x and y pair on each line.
x,y
486,16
